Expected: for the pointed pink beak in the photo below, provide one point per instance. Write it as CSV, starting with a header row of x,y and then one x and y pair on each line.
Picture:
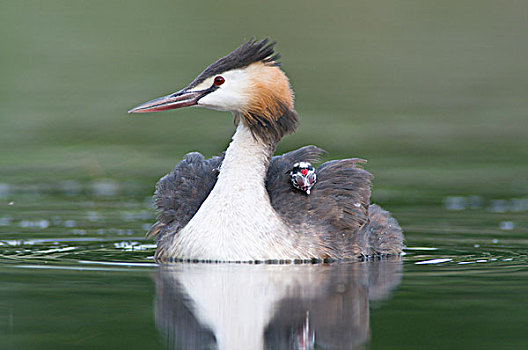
x,y
178,99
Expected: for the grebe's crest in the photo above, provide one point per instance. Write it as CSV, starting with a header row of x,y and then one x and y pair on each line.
x,y
250,52
303,176
252,86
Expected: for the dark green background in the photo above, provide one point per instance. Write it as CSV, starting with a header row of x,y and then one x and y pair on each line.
x,y
433,93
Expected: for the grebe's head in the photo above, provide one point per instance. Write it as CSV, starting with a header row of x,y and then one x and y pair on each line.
x,y
247,82
303,176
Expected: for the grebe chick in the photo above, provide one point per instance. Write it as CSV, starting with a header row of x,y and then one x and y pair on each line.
x,y
303,176
240,205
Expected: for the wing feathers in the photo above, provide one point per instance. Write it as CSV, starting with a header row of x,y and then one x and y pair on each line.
x,y
180,193
337,214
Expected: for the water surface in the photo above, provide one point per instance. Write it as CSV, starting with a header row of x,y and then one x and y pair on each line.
x,y
433,94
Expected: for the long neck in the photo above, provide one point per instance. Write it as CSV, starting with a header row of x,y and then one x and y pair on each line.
x,y
236,222
246,160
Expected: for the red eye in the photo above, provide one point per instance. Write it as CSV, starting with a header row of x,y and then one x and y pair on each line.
x,y
219,80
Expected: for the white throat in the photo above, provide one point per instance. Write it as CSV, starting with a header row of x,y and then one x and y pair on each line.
x,y
237,222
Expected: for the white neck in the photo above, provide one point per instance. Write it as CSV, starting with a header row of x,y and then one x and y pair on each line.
x,y
237,222
246,161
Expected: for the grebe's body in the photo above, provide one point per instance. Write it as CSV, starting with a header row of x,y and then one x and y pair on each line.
x,y
241,205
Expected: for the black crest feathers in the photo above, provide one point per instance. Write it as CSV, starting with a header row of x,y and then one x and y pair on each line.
x,y
246,54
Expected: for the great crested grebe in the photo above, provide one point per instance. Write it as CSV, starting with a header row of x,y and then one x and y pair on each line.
x,y
240,206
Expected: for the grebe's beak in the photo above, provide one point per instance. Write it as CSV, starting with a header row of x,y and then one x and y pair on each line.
x,y
182,98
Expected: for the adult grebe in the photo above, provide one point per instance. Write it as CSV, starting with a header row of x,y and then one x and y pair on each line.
x,y
241,206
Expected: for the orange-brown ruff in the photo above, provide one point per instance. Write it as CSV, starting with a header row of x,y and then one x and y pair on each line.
x,y
270,97
240,205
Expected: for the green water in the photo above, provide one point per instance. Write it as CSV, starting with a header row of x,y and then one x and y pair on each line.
x,y
433,94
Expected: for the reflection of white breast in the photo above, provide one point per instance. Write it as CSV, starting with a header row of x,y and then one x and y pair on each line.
x,y
247,306
238,301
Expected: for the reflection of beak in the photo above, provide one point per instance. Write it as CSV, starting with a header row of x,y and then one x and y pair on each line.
x,y
178,99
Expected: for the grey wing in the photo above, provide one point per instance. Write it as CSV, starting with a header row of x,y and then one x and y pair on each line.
x,y
180,193
336,209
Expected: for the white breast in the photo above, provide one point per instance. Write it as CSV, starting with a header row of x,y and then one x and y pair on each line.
x,y
237,222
